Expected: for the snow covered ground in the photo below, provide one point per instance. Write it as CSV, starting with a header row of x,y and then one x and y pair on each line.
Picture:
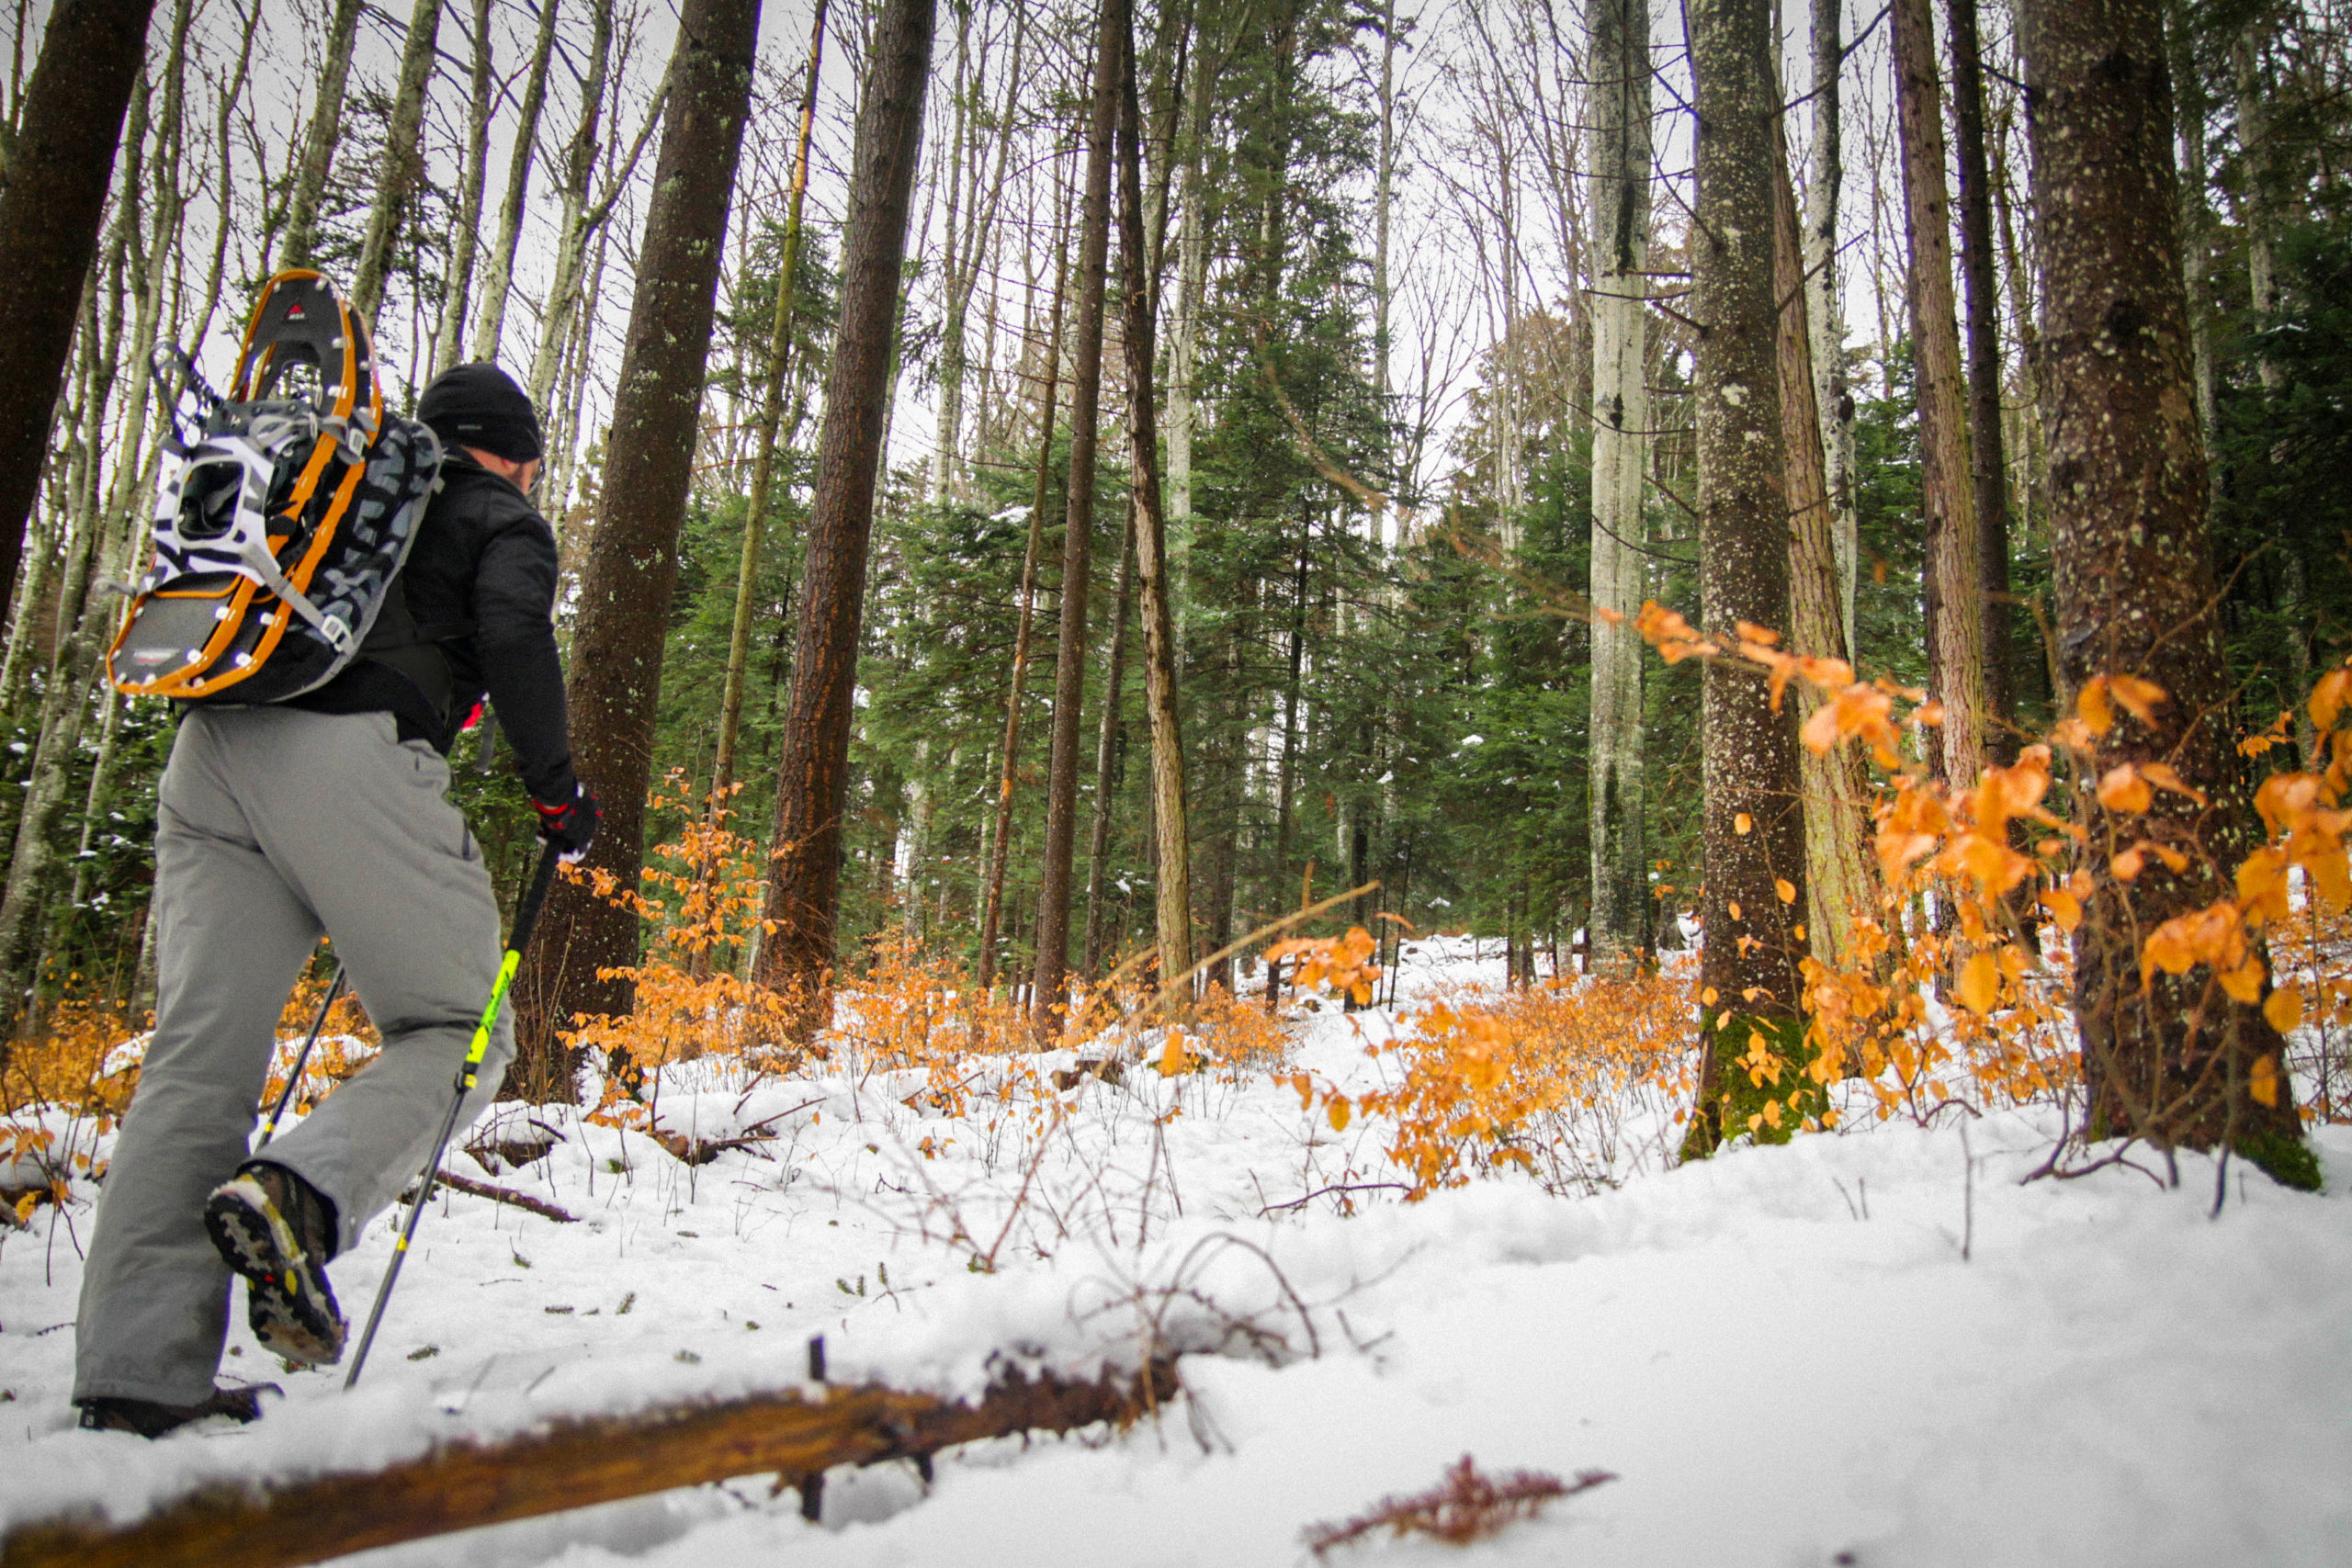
x,y
1874,1348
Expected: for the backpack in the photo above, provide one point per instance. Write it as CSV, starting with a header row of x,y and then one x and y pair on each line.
x,y
283,519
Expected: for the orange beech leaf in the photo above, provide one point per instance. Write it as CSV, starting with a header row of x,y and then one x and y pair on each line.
x,y
2122,788
2174,862
1735,909
2138,696
2074,734
1785,889
2126,865
2064,908
2284,1010
2161,775
1980,982
1929,714
2091,705
1742,824
2262,1081
2329,696
2168,948
1749,631
2261,885
2244,983
1338,1114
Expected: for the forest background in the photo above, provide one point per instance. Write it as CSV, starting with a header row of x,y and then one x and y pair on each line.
x,y
1377,251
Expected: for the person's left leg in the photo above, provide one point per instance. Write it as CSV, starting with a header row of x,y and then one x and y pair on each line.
x,y
231,938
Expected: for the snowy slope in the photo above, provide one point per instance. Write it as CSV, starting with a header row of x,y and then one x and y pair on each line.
x,y
1781,1354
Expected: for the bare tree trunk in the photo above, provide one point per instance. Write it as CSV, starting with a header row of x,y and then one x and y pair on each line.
x,y
812,784
770,421
1956,656
1107,749
2262,296
1753,828
2167,1058
1173,883
632,557
1000,838
52,194
2196,217
571,224
404,163
448,337
1838,881
1988,475
490,322
1620,443
1834,401
318,142
1086,390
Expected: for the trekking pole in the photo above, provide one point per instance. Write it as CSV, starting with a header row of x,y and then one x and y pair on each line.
x,y
302,1059
468,1072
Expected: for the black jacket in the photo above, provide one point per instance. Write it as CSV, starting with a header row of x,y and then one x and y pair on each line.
x,y
471,615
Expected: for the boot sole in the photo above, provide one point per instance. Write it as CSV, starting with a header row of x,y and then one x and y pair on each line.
x,y
290,1305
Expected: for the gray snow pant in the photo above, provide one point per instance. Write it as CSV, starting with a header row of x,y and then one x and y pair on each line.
x,y
273,826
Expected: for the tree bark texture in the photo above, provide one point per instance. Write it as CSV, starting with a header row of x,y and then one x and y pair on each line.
x,y
404,161
615,679
1173,884
2168,1060
812,783
1753,828
1988,462
1838,883
1956,651
53,193
1049,992
1620,444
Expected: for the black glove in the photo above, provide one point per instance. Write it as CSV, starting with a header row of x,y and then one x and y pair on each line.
x,y
570,825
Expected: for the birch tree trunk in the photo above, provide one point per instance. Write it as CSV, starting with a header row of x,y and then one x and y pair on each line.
x,y
615,676
1824,319
491,321
813,786
2166,1059
1621,441
448,336
1048,992
319,141
53,197
1955,623
572,223
403,162
1752,827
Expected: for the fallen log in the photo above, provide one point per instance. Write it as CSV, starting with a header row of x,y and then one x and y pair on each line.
x,y
572,1464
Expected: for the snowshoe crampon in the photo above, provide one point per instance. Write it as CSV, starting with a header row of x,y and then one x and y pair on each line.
x,y
282,518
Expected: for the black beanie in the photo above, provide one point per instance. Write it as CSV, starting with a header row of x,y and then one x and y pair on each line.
x,y
479,405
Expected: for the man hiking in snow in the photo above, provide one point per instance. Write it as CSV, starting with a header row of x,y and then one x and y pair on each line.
x,y
326,812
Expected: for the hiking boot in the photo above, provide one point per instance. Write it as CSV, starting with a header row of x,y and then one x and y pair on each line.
x,y
151,1419
279,1231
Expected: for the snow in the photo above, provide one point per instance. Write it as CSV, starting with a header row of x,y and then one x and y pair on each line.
x,y
1782,1353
